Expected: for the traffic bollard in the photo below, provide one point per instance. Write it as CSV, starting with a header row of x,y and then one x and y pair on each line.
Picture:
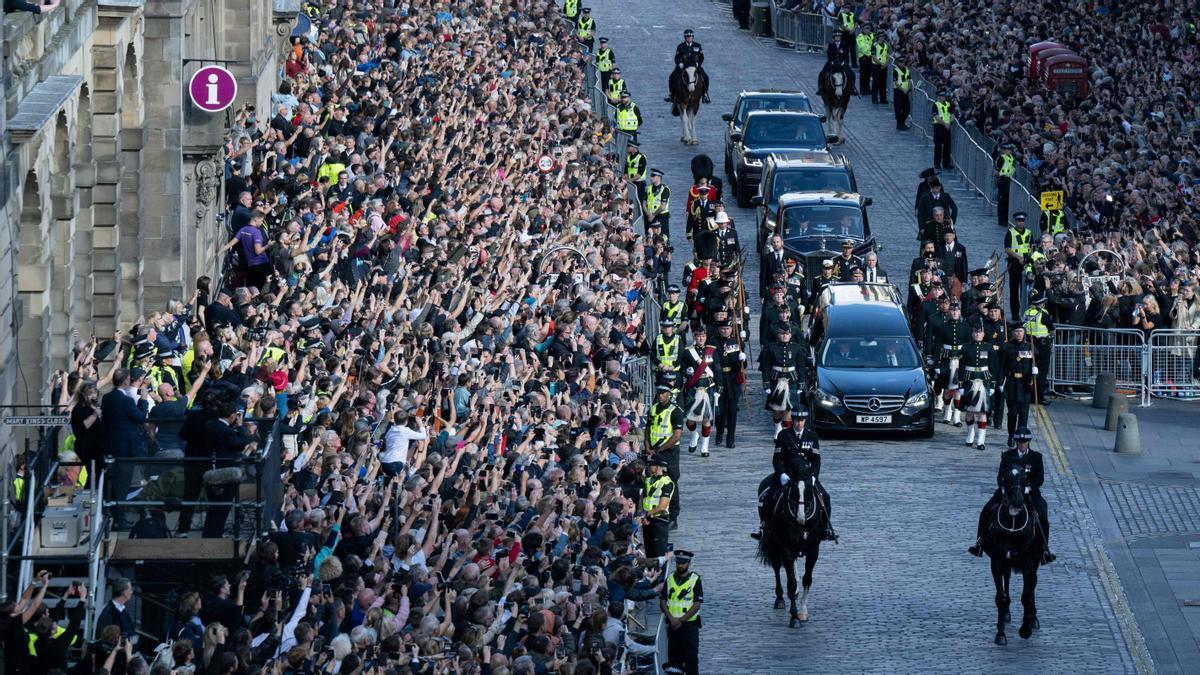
x,y
1103,389
1128,439
1117,405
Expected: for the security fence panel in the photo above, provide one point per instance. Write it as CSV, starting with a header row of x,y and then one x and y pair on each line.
x,y
1080,353
640,377
1174,364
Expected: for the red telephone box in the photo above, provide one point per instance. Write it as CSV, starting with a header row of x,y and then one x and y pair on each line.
x,y
1034,50
1040,60
1066,74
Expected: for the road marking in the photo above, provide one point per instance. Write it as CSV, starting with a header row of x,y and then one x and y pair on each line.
x,y
1052,442
658,26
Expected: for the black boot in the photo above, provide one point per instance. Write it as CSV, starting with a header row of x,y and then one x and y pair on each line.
x,y
976,549
829,534
757,534
729,442
1048,557
720,436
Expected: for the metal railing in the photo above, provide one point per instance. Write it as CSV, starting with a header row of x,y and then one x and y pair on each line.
x,y
1173,363
1163,364
801,30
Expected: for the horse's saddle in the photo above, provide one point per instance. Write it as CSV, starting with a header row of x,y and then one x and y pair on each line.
x,y
785,499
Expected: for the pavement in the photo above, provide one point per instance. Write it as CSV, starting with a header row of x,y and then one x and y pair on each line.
x,y
1147,507
899,593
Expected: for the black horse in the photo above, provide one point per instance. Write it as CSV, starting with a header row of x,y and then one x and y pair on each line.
x,y
794,522
1013,543
835,86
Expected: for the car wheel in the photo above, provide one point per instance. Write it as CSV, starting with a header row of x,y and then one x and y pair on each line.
x,y
927,432
728,168
743,194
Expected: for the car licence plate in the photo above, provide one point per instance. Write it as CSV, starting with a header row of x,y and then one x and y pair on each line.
x,y
874,419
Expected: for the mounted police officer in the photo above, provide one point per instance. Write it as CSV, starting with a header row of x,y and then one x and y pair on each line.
x,y
1019,370
783,366
688,52
680,602
729,368
797,457
663,432
1030,462
658,493
977,361
701,391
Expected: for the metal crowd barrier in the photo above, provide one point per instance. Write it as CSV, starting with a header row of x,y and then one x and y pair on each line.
x,y
1173,363
801,30
1080,353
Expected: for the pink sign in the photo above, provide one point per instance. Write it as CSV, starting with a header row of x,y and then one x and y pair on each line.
x,y
213,89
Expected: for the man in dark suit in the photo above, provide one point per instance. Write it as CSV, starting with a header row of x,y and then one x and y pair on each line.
x,y
1030,462
227,441
124,411
772,265
935,197
221,311
872,272
953,257
116,612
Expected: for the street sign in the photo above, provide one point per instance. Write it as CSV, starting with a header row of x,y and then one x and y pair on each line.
x,y
213,89
545,164
1052,200
36,420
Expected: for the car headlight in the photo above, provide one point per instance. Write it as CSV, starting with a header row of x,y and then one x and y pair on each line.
x,y
826,399
751,161
916,402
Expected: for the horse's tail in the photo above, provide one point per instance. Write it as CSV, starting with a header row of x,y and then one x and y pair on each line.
x,y
771,552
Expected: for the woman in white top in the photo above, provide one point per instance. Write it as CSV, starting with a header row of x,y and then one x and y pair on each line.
x,y
395,444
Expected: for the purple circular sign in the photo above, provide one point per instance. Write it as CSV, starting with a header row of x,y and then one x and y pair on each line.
x,y
213,88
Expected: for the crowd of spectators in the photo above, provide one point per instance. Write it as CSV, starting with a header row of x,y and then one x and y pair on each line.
x,y
460,441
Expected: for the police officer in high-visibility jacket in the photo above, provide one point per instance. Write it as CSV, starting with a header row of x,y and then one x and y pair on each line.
x,y
668,349
673,308
636,166
845,23
629,120
46,642
1053,222
943,118
1039,328
616,84
585,29
662,435
879,65
606,61
658,204
680,601
571,10
864,49
657,494
901,103
1017,245
1006,166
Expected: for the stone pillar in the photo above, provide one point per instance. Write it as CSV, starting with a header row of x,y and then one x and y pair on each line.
x,y
106,192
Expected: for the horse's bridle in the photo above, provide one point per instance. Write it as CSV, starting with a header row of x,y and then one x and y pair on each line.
x,y
800,503
1004,506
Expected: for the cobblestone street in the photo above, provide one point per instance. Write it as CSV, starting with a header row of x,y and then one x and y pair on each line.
x,y
899,593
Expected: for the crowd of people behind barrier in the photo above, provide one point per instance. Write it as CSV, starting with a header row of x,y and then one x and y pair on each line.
x,y
460,443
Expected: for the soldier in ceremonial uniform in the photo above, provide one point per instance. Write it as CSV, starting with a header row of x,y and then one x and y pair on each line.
x,y
731,362
657,495
778,301
783,367
1021,458
797,289
996,333
952,334
844,262
978,361
820,284
701,391
700,206
680,601
667,348
729,249
934,310
1019,371
663,434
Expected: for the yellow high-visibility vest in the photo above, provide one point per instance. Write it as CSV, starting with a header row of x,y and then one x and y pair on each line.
x,y
667,351
1008,166
658,199
1020,240
627,121
653,493
881,53
1055,221
1033,322
846,19
681,596
943,112
604,60
903,79
584,27
571,8
863,44
660,424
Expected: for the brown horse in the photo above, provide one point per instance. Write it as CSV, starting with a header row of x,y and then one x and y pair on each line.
x,y
836,85
689,86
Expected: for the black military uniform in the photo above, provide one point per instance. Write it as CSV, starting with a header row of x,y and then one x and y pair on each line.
x,y
995,332
680,600
656,527
771,311
820,283
934,310
729,249
952,333
923,186
1018,378
729,362
978,360
797,288
1030,462
844,263
783,366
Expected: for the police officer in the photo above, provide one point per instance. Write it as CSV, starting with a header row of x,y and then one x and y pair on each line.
x,y
783,368
1006,166
666,426
879,66
688,51
977,361
943,118
673,308
629,119
845,22
1018,244
571,11
1039,329
1053,222
667,347
680,603
605,62
585,29
658,204
1021,458
952,334
864,49
616,85
700,387
657,494
797,457
729,368
741,12
1019,367
901,103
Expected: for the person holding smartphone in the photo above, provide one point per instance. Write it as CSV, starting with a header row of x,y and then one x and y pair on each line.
x,y
226,442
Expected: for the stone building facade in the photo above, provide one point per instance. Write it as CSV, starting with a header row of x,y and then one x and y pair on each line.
x,y
110,184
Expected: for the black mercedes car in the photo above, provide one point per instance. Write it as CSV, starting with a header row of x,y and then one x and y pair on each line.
x,y
869,374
